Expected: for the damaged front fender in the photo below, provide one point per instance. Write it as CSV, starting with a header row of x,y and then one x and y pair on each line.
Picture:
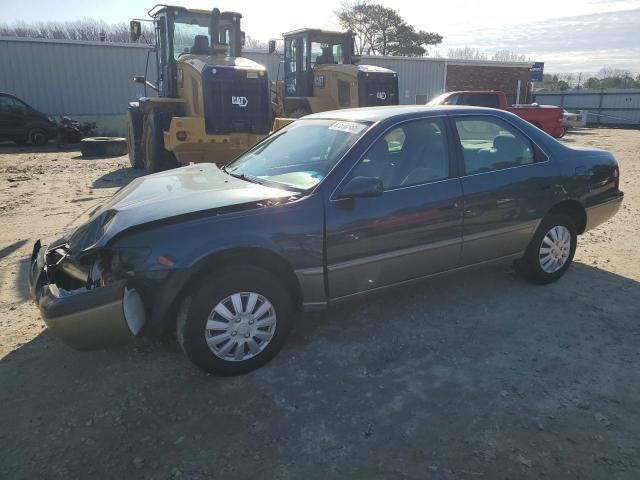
x,y
86,318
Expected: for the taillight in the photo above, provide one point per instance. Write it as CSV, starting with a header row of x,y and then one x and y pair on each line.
x,y
616,177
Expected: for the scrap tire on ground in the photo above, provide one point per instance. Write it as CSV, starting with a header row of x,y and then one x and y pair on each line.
x,y
154,156
103,147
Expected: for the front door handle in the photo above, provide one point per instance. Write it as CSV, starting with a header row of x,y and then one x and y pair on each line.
x,y
449,206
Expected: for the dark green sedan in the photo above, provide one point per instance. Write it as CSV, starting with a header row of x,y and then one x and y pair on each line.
x,y
333,206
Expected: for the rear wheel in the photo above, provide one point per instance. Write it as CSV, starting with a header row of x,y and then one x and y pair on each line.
x,y
154,156
38,137
551,250
236,321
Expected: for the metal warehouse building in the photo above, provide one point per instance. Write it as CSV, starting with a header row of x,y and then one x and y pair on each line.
x,y
92,81
605,107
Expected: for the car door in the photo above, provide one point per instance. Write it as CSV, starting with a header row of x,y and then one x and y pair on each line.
x,y
507,182
413,228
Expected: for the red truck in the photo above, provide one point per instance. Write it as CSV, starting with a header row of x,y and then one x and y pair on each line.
x,y
545,117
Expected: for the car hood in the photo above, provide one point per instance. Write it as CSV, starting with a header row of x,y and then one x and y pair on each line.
x,y
201,189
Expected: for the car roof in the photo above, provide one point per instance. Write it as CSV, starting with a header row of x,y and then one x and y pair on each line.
x,y
376,114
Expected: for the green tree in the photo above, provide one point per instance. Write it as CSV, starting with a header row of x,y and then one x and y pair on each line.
x,y
380,30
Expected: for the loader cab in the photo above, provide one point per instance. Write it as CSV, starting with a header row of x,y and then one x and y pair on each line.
x,y
182,32
306,48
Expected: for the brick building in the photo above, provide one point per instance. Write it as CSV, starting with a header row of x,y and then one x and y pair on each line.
x,y
503,76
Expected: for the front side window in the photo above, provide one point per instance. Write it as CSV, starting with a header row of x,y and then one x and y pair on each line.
x,y
326,53
300,155
492,144
411,154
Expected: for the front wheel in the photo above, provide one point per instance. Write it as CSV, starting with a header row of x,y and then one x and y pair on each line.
x,y
38,137
236,321
551,250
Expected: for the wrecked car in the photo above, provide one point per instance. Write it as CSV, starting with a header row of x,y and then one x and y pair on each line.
x,y
334,205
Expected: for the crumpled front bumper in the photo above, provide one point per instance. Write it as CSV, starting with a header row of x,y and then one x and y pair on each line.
x,y
84,318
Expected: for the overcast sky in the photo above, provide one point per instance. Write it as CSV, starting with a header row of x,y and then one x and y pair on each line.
x,y
568,35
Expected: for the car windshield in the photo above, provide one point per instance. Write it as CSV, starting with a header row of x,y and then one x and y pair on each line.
x,y
301,154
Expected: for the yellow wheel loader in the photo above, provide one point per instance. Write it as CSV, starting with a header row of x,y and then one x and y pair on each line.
x,y
321,72
211,103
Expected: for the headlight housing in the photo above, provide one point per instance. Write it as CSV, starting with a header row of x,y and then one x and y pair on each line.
x,y
127,260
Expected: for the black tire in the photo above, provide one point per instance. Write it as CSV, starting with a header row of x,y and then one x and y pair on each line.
x,y
530,267
133,144
103,147
155,157
38,137
213,289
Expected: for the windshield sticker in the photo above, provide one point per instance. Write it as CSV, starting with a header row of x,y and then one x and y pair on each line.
x,y
349,127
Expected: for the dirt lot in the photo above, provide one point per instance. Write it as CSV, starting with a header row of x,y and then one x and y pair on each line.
x,y
473,375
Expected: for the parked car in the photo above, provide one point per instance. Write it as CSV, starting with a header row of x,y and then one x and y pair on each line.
x,y
570,120
332,206
22,123
545,117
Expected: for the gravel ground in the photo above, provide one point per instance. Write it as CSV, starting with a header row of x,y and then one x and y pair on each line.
x,y
473,375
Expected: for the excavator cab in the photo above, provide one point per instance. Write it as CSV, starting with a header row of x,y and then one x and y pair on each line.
x,y
321,72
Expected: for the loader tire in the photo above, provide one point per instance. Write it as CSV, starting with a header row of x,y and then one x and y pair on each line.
x,y
134,144
155,157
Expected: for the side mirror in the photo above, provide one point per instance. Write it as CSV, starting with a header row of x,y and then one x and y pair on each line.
x,y
139,79
243,38
135,30
272,46
362,187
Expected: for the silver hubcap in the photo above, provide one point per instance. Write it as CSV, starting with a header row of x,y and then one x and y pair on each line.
x,y
240,326
555,249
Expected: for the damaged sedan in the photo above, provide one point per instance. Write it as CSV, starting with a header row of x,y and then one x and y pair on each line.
x,y
332,206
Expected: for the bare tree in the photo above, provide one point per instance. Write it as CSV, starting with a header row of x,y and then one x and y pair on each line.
x,y
252,43
88,29
466,53
509,56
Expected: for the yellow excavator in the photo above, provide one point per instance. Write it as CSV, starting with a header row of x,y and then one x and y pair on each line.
x,y
210,105
321,72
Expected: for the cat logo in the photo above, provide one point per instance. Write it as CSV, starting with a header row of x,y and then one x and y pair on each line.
x,y
239,101
381,95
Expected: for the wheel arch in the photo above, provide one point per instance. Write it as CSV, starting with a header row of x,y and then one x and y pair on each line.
x,y
575,210
242,256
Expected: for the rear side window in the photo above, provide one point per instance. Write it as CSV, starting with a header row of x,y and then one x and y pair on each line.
x,y
476,100
490,144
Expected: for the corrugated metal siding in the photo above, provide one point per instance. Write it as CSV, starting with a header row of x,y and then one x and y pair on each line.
x,y
610,107
73,78
416,76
